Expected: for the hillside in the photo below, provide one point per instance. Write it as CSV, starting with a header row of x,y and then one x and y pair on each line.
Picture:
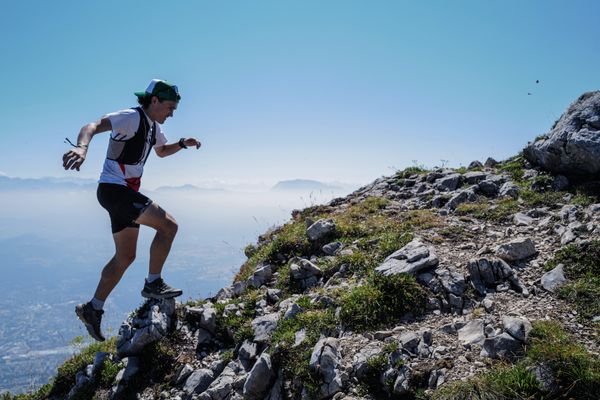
x,y
471,283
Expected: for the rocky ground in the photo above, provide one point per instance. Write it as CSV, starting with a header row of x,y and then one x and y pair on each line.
x,y
483,279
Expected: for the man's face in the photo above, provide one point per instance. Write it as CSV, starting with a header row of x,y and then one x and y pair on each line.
x,y
160,111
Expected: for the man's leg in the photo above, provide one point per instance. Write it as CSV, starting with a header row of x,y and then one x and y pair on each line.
x,y
166,229
125,249
88,313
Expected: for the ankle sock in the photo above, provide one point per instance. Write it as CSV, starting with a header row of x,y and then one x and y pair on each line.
x,y
97,304
152,277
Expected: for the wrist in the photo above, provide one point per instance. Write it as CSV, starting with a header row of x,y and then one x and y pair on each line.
x,y
182,144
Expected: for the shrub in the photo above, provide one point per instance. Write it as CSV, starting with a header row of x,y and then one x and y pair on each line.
x,y
582,267
532,198
381,301
359,262
108,372
234,329
409,171
578,260
497,212
65,376
514,167
583,199
294,361
287,241
584,293
576,372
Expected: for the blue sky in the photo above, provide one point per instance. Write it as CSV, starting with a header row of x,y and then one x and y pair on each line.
x,y
327,90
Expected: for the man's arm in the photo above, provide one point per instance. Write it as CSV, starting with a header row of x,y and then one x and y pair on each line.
x,y
169,149
73,158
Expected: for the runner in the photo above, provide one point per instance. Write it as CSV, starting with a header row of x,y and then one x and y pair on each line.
x,y
134,133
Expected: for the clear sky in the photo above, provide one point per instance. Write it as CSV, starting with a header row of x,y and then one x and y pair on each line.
x,y
328,90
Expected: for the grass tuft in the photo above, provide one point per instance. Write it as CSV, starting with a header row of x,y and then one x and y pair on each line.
x,y
381,301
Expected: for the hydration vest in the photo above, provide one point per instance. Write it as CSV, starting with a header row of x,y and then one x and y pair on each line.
x,y
133,151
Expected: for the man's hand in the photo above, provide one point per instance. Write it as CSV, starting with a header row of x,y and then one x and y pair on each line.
x,y
73,158
192,142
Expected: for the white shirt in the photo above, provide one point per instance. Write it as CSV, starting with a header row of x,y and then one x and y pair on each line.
x,y
125,124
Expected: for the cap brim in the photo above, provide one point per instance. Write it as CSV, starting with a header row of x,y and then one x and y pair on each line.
x,y
140,94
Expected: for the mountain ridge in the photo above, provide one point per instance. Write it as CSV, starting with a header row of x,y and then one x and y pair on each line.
x,y
440,284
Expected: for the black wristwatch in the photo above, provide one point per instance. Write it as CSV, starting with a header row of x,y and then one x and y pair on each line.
x,y
181,144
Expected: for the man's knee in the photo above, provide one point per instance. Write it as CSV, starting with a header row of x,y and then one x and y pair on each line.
x,y
125,259
169,227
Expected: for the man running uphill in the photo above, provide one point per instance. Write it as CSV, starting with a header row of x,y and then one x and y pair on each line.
x,y
134,132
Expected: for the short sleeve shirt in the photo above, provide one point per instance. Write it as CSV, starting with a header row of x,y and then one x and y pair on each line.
x,y
125,124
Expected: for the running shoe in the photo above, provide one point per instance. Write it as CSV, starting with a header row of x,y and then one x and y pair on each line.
x,y
91,319
158,289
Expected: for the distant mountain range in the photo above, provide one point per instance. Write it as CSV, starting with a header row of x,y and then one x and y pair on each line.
x,y
306,185
46,183
72,183
187,188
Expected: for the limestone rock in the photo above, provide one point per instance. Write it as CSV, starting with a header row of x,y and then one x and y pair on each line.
x,y
518,328
410,259
321,230
516,250
486,273
263,327
198,381
448,183
324,360
503,346
572,146
261,276
472,332
137,332
260,378
473,177
305,273
551,280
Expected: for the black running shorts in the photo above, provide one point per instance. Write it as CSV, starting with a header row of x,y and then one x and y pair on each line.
x,y
124,205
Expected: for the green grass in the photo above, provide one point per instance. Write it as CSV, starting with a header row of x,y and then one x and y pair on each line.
x,y
382,300
233,329
532,198
582,268
497,211
584,293
583,199
514,167
294,361
414,170
285,242
379,235
65,377
158,362
576,372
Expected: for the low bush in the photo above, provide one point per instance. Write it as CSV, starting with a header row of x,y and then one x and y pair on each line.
x,y
515,167
576,372
233,329
382,300
285,242
294,360
497,211
582,267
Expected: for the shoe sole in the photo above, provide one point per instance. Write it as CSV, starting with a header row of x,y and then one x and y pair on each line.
x,y
88,326
161,296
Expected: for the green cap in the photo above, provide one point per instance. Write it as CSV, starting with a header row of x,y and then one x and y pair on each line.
x,y
161,89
